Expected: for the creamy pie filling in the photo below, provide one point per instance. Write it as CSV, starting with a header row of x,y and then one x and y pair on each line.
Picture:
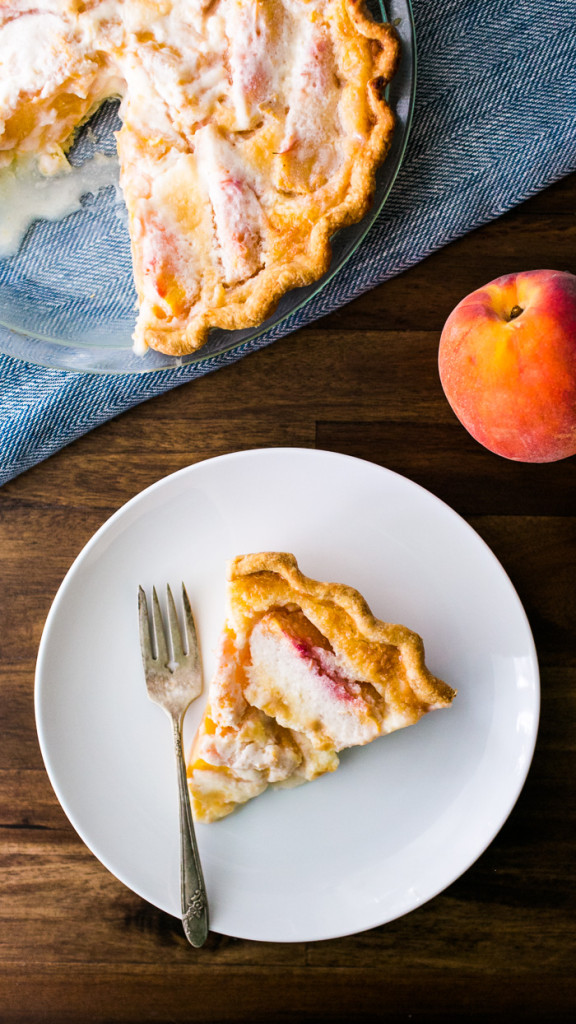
x,y
296,678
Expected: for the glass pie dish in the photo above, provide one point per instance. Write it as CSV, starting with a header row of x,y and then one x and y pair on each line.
x,y
67,296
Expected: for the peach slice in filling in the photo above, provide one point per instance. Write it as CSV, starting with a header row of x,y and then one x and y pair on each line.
x,y
307,155
295,677
238,215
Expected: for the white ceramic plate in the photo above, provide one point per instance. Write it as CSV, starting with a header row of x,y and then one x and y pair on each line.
x,y
401,818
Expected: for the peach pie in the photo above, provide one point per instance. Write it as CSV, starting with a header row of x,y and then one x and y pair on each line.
x,y
304,671
252,130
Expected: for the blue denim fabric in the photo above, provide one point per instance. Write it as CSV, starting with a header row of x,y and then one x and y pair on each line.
x,y
495,121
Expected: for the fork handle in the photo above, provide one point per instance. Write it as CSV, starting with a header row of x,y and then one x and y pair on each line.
x,y
194,901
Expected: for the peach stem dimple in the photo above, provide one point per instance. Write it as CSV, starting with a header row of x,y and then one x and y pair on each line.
x,y
515,311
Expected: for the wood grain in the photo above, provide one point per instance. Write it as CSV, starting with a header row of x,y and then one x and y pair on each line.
x,y
499,943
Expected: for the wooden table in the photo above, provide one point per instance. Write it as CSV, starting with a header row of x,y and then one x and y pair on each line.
x,y
498,944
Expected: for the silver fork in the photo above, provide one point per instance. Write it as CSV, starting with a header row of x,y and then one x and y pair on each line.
x,y
174,680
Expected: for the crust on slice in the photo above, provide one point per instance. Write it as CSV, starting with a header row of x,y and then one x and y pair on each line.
x,y
304,671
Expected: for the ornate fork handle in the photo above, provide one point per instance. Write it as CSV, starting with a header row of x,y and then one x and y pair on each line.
x,y
194,901
173,672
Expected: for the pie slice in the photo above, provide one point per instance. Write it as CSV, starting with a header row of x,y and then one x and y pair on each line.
x,y
304,671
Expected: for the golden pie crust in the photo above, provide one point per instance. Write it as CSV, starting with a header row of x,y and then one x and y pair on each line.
x,y
252,130
305,670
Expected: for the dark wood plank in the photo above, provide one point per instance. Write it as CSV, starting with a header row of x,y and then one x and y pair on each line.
x,y
425,295
257,995
19,749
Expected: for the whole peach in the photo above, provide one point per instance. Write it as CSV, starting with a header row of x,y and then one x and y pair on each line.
x,y
507,362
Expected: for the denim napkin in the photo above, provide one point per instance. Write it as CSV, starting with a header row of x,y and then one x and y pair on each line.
x,y
494,122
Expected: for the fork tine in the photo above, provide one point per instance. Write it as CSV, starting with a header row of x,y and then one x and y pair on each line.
x,y
145,637
159,637
189,626
175,634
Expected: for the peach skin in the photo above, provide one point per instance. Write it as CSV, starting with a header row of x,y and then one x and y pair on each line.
x,y
507,363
